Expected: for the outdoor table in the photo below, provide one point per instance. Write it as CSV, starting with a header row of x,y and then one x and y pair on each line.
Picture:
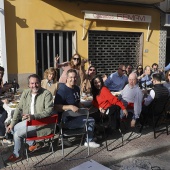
x,y
116,93
86,101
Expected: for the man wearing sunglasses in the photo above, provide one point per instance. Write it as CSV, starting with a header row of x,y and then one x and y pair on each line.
x,y
117,81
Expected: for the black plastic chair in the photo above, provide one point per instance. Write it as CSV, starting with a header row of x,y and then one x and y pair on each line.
x,y
65,132
157,116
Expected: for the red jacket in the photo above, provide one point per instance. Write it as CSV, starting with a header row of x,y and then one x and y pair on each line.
x,y
105,99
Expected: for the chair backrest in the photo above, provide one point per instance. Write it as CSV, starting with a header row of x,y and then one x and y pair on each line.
x,y
80,112
158,105
44,121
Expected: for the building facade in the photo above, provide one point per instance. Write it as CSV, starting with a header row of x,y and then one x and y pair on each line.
x,y
106,34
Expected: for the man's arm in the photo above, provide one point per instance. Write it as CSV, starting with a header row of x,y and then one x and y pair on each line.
x,y
61,108
149,98
138,103
18,111
108,81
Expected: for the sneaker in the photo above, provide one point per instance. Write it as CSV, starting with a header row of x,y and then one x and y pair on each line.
x,y
92,144
34,147
12,159
6,141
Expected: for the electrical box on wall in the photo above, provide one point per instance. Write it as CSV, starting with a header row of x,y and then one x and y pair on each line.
x,y
167,20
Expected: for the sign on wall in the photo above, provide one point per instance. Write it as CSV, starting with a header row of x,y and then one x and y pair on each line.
x,y
117,16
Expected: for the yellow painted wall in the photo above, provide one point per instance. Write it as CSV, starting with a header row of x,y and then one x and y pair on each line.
x,y
23,17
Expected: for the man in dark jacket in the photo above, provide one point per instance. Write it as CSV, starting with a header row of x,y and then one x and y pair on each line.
x,y
158,97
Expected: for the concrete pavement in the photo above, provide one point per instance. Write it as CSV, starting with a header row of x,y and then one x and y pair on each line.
x,y
139,152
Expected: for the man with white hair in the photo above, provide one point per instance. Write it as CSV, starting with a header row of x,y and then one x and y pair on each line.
x,y
132,97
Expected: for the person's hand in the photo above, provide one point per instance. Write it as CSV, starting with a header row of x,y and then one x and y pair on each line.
x,y
125,113
83,61
9,128
102,110
145,92
56,60
27,116
160,70
133,122
74,108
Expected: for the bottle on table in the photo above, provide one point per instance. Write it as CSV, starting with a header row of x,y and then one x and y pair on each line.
x,y
14,85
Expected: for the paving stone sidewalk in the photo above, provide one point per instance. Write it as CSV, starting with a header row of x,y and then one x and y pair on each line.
x,y
139,152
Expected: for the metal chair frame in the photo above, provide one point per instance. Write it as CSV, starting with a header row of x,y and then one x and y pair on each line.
x,y
42,122
156,120
74,132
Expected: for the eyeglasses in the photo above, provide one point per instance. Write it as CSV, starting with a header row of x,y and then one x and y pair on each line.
x,y
140,68
168,74
122,70
92,69
76,58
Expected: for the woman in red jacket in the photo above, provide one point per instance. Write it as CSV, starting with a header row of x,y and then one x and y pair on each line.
x,y
108,105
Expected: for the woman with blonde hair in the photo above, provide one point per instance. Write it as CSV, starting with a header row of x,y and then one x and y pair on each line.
x,y
50,80
75,63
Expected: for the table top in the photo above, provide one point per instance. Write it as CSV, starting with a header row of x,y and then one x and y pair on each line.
x,y
116,93
86,98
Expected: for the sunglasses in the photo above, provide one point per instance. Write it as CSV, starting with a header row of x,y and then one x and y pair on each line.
x,y
92,69
168,74
76,59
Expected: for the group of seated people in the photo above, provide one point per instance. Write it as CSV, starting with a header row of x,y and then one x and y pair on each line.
x,y
37,101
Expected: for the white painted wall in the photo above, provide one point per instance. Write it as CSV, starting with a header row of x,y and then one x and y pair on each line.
x,y
3,57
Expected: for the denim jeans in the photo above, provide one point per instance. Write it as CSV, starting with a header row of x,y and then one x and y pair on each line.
x,y
78,122
19,133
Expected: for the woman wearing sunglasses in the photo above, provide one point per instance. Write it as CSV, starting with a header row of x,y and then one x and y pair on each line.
x,y
139,70
75,63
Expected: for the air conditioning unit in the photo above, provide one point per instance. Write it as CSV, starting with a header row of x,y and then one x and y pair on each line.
x,y
167,20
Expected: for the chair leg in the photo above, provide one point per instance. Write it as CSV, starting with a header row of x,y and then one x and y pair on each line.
x,y
51,146
122,136
87,135
167,132
154,131
26,151
62,145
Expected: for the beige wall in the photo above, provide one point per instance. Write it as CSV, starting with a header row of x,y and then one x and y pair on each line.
x,y
23,17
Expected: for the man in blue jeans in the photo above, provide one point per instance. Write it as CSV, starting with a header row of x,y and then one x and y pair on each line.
x,y
35,103
68,98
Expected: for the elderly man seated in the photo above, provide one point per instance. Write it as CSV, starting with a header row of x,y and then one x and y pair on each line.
x,y
35,103
117,81
68,98
132,97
